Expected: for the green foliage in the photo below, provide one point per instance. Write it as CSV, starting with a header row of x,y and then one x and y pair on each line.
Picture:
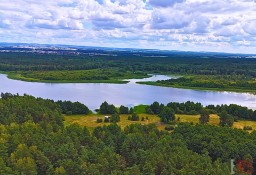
x,y
131,111
189,107
140,109
149,110
99,120
20,109
204,117
247,128
155,107
234,110
105,108
106,120
167,115
115,118
123,110
223,82
69,107
134,117
31,147
221,143
111,75
226,119
214,71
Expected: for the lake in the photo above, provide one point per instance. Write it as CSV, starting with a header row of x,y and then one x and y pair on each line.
x,y
93,94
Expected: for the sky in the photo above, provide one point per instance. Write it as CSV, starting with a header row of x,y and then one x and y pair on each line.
x,y
189,25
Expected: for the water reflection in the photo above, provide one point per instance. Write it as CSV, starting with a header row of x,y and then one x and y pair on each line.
x,y
93,94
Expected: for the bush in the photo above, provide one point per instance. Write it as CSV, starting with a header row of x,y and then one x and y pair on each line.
x,y
135,117
106,120
99,120
142,119
148,110
167,115
69,113
169,128
114,118
246,128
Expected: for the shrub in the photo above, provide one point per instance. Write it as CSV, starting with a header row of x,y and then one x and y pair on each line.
x,y
69,112
246,128
169,128
106,120
99,120
115,118
135,117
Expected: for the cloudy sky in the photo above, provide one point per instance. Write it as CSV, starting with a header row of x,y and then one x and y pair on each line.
x,y
197,25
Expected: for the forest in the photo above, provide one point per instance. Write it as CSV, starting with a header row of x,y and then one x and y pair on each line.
x,y
35,140
198,70
215,82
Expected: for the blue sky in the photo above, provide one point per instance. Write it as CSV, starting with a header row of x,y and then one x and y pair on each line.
x,y
195,25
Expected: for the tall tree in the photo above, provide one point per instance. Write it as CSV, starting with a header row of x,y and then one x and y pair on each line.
x,y
226,119
167,115
204,117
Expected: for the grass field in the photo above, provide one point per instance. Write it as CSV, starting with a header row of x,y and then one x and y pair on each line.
x,y
90,120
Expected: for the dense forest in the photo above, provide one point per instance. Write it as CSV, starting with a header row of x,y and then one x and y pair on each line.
x,y
205,71
219,82
176,63
34,140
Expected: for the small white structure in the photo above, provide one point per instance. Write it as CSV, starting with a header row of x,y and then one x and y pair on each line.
x,y
106,117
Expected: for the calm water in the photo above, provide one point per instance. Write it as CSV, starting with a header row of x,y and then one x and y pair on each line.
x,y
93,94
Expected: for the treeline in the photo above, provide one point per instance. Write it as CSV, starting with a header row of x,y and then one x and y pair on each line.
x,y
192,108
106,108
228,113
70,108
232,82
9,101
176,63
237,111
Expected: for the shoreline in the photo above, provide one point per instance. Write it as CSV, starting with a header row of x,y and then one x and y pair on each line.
x,y
15,76
253,92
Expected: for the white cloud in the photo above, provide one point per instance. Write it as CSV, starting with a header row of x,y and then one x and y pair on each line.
x,y
164,3
250,27
167,24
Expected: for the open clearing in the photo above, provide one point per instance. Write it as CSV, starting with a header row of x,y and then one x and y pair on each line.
x,y
90,120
